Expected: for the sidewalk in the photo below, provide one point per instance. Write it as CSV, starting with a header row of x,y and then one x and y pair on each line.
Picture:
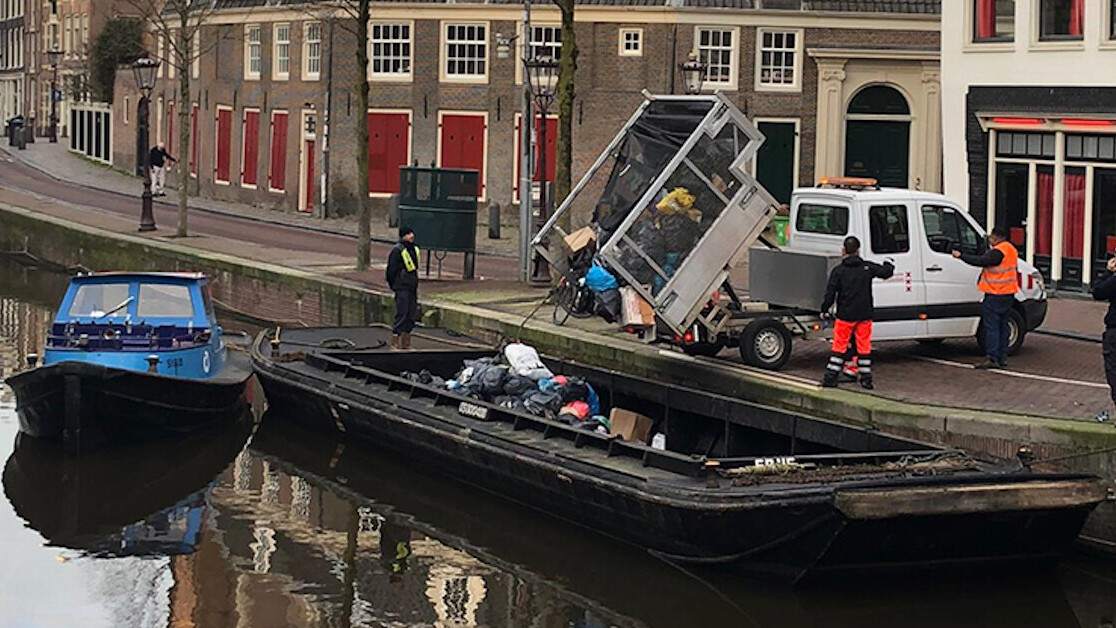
x,y
57,161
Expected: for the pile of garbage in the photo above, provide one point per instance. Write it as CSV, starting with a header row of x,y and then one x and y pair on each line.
x,y
517,379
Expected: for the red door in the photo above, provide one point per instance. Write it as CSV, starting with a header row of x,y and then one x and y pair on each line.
x,y
551,150
388,149
194,140
277,172
250,151
172,146
224,145
308,184
462,144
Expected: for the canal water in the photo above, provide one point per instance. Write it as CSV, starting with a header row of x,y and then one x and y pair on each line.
x,y
265,524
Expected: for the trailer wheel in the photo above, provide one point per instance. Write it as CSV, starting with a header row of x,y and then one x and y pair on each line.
x,y
706,349
1017,331
766,343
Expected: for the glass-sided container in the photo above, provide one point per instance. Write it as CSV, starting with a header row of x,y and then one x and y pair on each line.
x,y
440,204
693,152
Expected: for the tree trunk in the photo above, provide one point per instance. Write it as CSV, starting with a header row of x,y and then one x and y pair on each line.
x,y
185,132
364,230
567,67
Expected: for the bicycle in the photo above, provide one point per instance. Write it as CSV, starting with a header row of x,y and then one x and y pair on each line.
x,y
571,298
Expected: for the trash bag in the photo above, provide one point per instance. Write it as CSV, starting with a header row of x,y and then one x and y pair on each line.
x,y
575,390
592,399
608,305
541,403
516,385
598,279
680,234
524,360
678,201
579,409
649,239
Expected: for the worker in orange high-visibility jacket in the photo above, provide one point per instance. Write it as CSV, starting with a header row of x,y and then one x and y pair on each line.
x,y
999,281
850,286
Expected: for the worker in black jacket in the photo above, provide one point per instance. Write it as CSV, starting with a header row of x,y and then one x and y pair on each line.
x,y
402,278
1105,290
850,285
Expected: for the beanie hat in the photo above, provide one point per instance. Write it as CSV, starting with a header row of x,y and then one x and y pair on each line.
x,y
405,231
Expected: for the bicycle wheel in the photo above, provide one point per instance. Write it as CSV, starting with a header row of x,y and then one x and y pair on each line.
x,y
564,296
582,305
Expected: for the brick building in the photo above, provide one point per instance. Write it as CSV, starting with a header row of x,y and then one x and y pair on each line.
x,y
811,73
13,74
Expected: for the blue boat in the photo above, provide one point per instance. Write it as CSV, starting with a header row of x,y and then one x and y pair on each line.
x,y
131,356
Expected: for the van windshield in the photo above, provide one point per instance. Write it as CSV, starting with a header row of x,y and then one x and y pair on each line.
x,y
825,219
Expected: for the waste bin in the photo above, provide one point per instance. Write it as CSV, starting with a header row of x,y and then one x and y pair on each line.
x,y
782,229
440,204
14,129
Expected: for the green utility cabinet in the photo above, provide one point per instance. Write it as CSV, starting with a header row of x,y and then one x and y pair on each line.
x,y
440,204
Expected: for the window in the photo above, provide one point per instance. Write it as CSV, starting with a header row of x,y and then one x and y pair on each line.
x,y
546,41
55,39
947,229
282,68
173,52
164,300
993,20
889,230
252,50
97,299
127,108
1091,148
825,219
68,40
716,47
312,51
390,51
466,52
1025,145
195,55
1112,19
85,34
631,42
1061,19
778,59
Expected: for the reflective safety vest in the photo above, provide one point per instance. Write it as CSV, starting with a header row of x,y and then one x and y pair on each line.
x,y
408,263
1002,278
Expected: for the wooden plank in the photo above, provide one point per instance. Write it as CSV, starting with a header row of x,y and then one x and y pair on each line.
x,y
978,498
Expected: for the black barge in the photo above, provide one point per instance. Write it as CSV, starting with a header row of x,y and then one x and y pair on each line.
x,y
739,485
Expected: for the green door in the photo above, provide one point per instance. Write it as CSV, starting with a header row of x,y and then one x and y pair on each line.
x,y
775,160
879,149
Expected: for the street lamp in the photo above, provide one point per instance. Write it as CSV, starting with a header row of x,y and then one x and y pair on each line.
x,y
53,55
693,74
144,70
541,73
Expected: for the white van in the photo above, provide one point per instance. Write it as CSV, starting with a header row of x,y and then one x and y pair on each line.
x,y
931,296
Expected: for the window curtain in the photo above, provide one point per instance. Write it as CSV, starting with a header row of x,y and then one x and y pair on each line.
x,y
1077,17
1044,207
985,19
1073,231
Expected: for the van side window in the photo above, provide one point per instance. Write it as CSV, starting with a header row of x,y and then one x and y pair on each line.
x,y
827,219
889,229
946,229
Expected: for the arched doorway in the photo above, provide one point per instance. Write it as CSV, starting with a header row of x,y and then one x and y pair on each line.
x,y
878,136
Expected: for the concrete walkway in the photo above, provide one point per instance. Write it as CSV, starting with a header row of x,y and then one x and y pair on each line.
x,y
57,161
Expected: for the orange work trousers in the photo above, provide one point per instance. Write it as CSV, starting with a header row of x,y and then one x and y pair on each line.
x,y
845,332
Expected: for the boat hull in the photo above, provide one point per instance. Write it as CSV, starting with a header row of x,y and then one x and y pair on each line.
x,y
89,405
791,534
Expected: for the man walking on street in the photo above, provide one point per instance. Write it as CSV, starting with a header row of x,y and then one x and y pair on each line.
x,y
1105,290
999,282
850,285
402,278
158,160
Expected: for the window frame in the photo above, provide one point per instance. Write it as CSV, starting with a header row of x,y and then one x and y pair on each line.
x,y
249,74
556,27
621,41
443,52
797,51
276,73
1108,37
906,223
798,225
388,77
244,146
998,40
1038,40
195,54
734,57
307,73
974,249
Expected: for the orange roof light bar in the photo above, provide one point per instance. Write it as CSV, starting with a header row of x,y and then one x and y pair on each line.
x,y
847,182
1026,121
1084,122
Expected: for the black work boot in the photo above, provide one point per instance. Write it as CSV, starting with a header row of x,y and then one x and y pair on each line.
x,y
866,383
829,380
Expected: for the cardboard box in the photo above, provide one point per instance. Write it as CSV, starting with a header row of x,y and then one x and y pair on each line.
x,y
634,310
580,239
631,426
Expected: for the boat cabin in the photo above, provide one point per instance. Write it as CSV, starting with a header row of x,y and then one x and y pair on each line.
x,y
150,322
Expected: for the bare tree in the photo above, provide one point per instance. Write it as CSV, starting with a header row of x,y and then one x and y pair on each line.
x,y
567,68
177,24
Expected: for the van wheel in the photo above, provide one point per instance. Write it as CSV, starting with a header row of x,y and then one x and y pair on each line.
x,y
766,344
1016,333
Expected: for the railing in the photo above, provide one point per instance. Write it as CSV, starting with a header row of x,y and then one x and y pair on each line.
x,y
91,131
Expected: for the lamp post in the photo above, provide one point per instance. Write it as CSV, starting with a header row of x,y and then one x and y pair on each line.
x,y
541,72
693,74
144,70
53,55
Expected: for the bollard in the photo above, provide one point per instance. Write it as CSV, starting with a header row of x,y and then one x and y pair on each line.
x,y
32,360
152,363
21,138
393,211
494,221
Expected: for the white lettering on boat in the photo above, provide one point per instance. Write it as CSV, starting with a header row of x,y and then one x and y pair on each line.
x,y
770,462
473,410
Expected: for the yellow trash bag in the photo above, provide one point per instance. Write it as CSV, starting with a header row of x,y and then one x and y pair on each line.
x,y
679,201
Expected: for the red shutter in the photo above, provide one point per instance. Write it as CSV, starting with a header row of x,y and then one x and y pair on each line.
x,y
277,174
194,140
309,184
224,145
551,150
388,135
171,144
250,152
463,138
